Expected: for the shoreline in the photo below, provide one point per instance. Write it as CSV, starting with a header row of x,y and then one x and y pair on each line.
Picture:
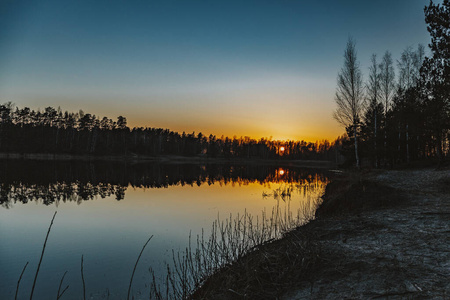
x,y
166,159
376,235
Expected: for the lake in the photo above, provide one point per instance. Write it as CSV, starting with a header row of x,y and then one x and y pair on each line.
x,y
106,211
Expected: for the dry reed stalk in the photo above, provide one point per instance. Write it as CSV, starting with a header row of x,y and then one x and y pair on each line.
x,y
59,295
82,279
42,255
134,269
226,251
20,278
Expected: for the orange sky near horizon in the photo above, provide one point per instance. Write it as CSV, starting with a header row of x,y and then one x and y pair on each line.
x,y
282,131
268,113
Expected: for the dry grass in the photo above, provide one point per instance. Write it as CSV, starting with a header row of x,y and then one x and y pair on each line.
x,y
223,261
354,194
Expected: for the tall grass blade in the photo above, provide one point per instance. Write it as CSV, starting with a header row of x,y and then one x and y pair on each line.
x,y
20,278
42,255
82,279
134,269
59,295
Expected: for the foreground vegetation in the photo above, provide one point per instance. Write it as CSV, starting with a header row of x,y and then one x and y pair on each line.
x,y
231,255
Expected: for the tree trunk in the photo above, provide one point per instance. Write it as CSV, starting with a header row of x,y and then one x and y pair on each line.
x,y
439,146
356,145
407,143
385,142
375,141
399,142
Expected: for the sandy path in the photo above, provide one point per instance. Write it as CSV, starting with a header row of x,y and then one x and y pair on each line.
x,y
400,252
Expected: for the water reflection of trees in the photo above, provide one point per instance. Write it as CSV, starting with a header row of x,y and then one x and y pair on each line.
x,y
49,182
309,185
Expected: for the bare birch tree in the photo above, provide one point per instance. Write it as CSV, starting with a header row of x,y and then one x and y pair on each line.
x,y
419,57
350,94
387,82
409,66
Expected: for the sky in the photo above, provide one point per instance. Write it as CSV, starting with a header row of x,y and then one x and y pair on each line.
x,y
233,68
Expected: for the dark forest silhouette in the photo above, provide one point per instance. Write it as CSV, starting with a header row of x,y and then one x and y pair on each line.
x,y
23,130
55,181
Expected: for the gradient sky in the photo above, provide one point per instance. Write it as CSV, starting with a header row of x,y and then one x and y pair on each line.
x,y
244,68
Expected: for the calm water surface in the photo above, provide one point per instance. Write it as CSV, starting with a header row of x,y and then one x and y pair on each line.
x,y
106,212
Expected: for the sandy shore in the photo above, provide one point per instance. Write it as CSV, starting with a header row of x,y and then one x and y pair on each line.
x,y
380,235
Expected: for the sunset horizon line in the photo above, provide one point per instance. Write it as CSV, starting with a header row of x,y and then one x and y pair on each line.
x,y
132,123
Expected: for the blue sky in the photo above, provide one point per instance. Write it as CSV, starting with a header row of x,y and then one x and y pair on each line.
x,y
255,68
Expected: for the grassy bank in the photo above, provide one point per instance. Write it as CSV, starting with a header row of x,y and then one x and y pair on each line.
x,y
377,235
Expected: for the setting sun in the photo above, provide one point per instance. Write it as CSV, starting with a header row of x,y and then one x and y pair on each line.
x,y
281,149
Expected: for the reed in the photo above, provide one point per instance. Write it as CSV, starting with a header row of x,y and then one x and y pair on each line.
x,y
60,294
135,265
82,279
18,282
42,255
230,242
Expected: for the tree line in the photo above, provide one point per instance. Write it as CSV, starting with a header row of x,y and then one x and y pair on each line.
x,y
398,114
23,130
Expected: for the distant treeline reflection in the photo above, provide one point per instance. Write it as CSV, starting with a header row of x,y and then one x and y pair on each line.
x,y
50,182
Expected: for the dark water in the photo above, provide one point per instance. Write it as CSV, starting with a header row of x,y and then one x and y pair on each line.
x,y
107,210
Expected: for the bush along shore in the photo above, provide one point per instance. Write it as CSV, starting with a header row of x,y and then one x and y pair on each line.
x,y
381,234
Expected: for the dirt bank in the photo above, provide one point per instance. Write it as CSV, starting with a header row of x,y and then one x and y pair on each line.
x,y
379,235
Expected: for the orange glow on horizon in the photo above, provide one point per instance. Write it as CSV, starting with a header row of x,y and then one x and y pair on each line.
x,y
312,125
312,135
